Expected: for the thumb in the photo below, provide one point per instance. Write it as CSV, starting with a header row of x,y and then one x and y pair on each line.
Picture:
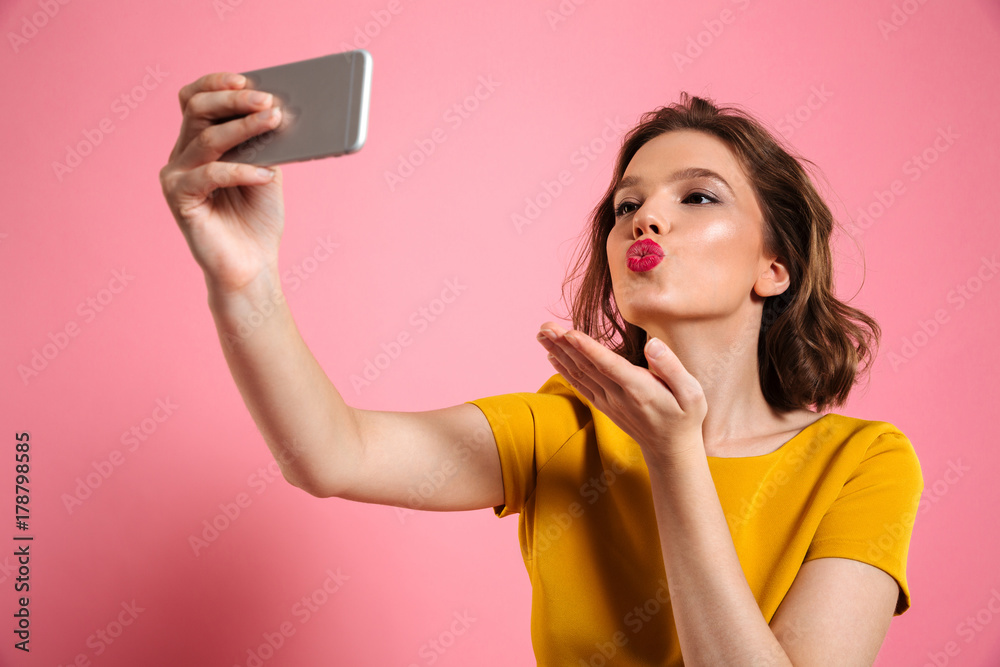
x,y
665,365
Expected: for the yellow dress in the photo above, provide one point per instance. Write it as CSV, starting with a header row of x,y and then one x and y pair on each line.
x,y
841,487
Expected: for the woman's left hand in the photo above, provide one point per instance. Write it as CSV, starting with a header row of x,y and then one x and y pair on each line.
x,y
662,407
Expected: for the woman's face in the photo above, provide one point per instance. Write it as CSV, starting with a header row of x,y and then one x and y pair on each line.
x,y
710,232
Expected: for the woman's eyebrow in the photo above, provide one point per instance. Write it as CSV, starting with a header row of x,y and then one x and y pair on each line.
x,y
682,175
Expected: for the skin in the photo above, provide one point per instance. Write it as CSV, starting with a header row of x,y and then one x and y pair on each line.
x,y
705,301
233,232
836,612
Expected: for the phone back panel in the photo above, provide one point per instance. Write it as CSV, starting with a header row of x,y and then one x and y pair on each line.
x,y
324,109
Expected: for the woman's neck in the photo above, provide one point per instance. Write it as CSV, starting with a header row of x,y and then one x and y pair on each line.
x,y
722,356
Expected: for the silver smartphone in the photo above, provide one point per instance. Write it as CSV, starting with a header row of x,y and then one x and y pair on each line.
x,y
324,104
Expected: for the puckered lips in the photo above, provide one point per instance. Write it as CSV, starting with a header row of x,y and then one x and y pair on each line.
x,y
643,255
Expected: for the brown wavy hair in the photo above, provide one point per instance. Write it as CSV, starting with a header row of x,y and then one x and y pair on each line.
x,y
810,344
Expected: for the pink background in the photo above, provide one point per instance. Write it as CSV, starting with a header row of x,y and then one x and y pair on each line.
x,y
878,98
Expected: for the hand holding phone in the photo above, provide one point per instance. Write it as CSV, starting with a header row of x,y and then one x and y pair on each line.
x,y
228,206
324,103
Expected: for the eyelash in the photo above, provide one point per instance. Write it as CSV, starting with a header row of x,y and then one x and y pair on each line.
x,y
619,213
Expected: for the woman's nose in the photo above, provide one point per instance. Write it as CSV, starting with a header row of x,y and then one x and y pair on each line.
x,y
646,222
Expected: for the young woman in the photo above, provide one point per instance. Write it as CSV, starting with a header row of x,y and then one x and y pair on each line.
x,y
676,494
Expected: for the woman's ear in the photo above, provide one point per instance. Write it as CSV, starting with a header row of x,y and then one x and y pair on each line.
x,y
774,280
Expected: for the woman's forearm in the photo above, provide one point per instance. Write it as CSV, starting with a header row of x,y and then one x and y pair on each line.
x,y
308,427
716,615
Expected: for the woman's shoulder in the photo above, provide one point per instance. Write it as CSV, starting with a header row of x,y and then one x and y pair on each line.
x,y
870,443
860,426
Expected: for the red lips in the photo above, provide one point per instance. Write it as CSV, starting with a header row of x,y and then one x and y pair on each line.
x,y
644,255
645,247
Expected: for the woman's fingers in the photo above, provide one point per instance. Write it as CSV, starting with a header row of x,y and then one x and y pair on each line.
x,y
588,363
209,108
190,126
233,231
209,103
192,186
213,140
210,82
213,105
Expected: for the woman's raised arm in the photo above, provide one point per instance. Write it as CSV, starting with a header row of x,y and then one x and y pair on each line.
x,y
232,216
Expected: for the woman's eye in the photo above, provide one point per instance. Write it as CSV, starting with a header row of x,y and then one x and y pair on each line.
x,y
621,210
624,207
709,199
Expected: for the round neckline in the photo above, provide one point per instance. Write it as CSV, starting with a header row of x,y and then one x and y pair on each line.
x,y
780,449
